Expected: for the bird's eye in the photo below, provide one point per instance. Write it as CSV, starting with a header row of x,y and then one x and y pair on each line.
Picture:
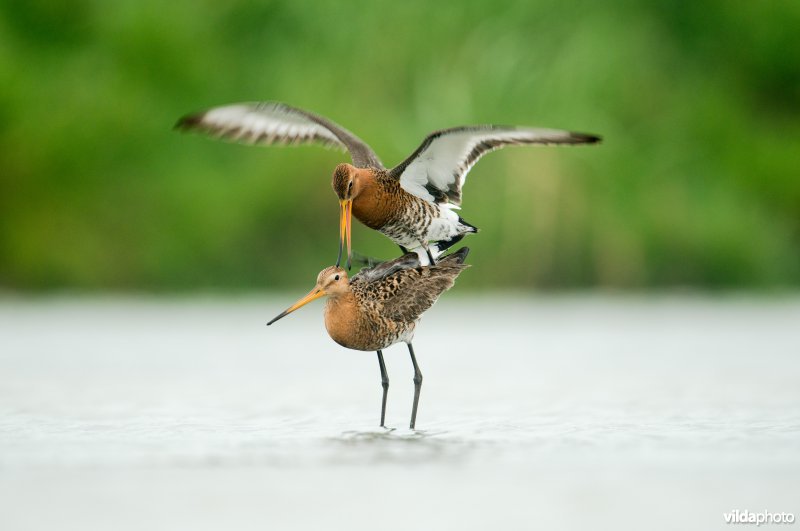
x,y
336,277
350,186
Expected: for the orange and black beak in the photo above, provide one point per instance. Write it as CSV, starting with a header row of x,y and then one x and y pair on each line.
x,y
314,294
345,217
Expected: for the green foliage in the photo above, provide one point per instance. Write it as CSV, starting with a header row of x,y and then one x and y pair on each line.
x,y
696,183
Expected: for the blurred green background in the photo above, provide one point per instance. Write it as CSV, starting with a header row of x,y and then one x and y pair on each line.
x,y
696,184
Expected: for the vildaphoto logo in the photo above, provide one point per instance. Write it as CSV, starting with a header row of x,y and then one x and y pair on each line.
x,y
764,517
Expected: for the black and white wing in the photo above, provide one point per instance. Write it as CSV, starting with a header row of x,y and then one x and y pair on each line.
x,y
274,123
436,171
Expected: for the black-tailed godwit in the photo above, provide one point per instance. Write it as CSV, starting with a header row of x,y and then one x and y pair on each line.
x,y
415,202
381,306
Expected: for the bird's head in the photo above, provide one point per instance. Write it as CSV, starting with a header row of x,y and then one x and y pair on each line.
x,y
331,281
348,182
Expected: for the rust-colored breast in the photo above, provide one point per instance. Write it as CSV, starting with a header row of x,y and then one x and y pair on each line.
x,y
356,326
342,321
377,203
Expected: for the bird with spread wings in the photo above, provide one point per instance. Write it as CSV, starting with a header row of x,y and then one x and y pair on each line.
x,y
415,203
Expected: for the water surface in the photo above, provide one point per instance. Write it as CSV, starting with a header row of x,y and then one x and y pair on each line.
x,y
566,413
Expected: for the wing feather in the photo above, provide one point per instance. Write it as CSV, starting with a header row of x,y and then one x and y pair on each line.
x,y
273,123
438,168
384,269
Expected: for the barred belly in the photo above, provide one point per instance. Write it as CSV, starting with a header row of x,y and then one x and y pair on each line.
x,y
410,228
380,333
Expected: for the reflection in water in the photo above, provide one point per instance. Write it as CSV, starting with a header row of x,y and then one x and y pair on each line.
x,y
386,434
391,445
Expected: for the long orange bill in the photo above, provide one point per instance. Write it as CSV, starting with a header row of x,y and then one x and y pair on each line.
x,y
348,231
345,217
314,294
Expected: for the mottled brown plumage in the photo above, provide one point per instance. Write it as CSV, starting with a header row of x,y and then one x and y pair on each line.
x,y
381,305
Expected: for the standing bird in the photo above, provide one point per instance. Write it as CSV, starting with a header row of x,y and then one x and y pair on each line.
x,y
413,203
381,306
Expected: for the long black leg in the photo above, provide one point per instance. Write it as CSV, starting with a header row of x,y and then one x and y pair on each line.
x,y
430,255
385,385
417,386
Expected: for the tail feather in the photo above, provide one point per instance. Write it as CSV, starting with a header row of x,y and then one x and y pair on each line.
x,y
459,256
443,245
439,247
470,225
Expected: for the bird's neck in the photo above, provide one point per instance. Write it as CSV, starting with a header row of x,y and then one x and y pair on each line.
x,y
373,205
341,318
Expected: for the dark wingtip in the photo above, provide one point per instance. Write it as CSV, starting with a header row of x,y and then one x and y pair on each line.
x,y
191,121
585,138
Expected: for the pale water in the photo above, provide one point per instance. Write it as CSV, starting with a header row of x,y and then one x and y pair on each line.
x,y
558,413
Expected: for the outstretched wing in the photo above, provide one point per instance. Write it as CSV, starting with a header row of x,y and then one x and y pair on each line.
x,y
274,123
437,170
